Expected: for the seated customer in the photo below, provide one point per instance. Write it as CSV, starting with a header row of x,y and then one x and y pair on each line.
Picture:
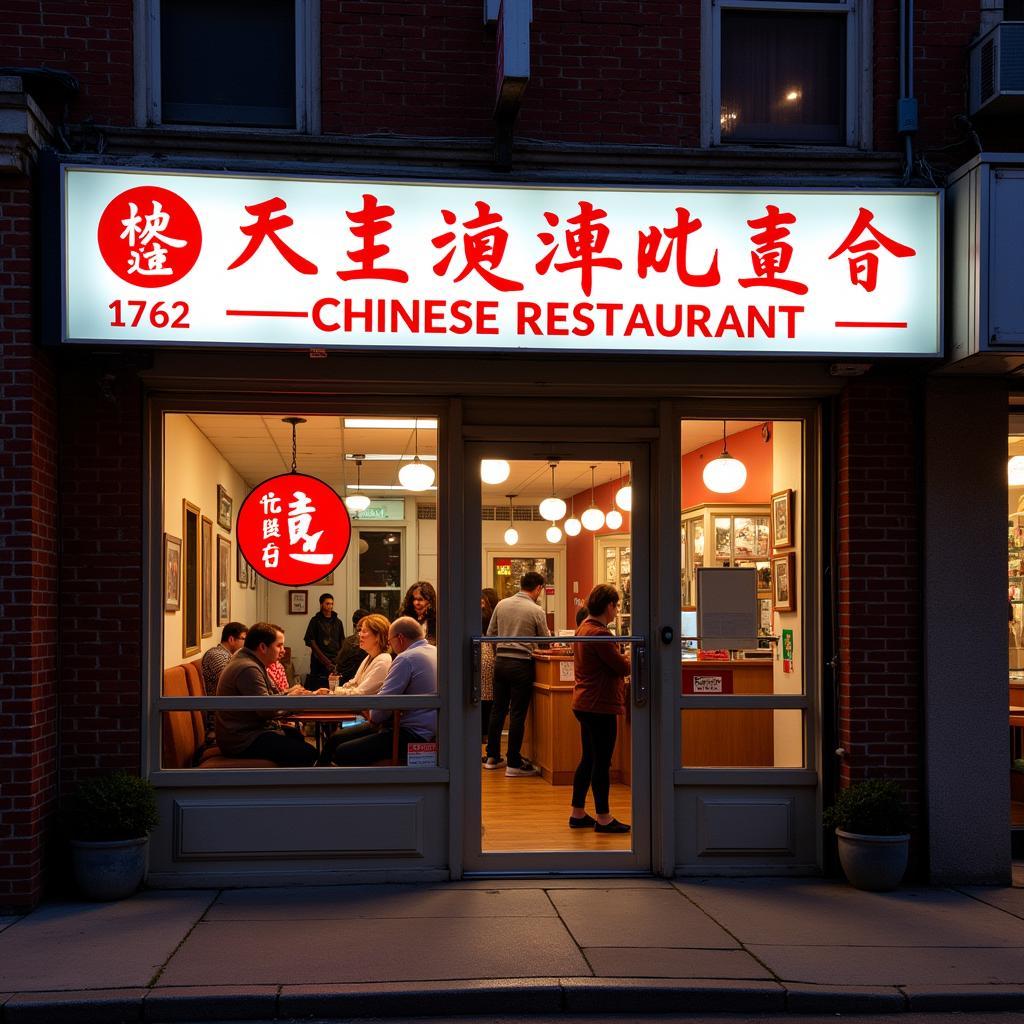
x,y
252,732
413,671
351,656
232,637
372,636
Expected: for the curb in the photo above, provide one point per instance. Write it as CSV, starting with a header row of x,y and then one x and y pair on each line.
x,y
484,997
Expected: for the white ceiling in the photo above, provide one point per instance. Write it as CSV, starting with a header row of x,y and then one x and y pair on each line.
x,y
261,446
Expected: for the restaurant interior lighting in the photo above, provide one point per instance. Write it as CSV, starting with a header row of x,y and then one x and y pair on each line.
x,y
1015,471
361,423
511,534
613,519
416,475
624,495
572,525
593,517
553,534
357,502
494,471
725,474
552,508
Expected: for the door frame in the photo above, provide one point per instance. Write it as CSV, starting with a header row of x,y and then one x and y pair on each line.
x,y
563,443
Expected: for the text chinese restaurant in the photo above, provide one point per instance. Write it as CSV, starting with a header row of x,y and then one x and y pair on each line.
x,y
501,526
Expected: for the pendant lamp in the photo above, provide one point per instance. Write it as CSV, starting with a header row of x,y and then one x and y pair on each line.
x,y
511,534
613,519
494,471
416,475
1015,471
358,502
593,517
572,525
553,534
624,495
552,508
724,474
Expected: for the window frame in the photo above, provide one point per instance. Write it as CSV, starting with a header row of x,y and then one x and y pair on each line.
x,y
147,73
858,69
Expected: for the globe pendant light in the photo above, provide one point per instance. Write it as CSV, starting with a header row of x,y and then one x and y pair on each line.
x,y
724,474
552,508
572,525
494,471
1015,471
511,534
553,534
416,475
613,520
357,502
593,518
624,495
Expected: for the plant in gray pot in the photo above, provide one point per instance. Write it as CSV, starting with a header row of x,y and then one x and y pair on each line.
x,y
870,819
108,819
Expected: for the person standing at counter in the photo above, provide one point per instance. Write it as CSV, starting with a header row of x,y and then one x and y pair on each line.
x,y
598,698
324,635
518,615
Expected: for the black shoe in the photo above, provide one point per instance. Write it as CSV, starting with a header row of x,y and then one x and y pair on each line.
x,y
585,822
613,826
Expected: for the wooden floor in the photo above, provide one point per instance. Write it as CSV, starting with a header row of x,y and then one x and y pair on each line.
x,y
528,815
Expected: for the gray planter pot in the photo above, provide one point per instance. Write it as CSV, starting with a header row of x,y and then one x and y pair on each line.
x,y
875,863
109,870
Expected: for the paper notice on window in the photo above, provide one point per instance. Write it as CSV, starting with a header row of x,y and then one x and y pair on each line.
x,y
727,607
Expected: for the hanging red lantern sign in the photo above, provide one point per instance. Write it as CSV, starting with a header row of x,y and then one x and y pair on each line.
x,y
293,529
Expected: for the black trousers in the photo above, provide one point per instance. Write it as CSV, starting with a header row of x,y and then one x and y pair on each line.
x,y
364,745
598,734
513,691
285,746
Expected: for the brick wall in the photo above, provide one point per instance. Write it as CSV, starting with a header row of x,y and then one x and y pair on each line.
x,y
28,568
879,583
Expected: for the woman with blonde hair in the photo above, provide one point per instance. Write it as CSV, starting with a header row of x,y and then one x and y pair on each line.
x,y
373,638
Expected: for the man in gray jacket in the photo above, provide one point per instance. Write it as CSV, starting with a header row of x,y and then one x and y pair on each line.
x,y
519,615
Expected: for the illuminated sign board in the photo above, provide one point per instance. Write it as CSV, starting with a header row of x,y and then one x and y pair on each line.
x,y
166,258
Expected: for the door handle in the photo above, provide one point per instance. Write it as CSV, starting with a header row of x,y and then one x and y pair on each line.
x,y
667,635
640,691
474,672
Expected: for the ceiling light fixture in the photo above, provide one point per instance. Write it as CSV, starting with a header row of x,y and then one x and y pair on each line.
x,y
553,534
572,524
358,502
294,421
1015,471
613,519
494,471
511,534
624,495
552,508
358,423
593,517
725,474
416,475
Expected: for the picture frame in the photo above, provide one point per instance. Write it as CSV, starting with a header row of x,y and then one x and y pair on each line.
x,y
191,581
784,583
327,581
298,602
223,580
252,578
172,573
782,520
224,507
241,566
206,576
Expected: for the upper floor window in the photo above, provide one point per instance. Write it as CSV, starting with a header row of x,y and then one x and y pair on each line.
x,y
785,72
209,64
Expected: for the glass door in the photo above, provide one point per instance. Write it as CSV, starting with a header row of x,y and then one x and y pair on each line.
x,y
560,538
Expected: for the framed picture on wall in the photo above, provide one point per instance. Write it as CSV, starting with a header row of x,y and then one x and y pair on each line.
x,y
206,574
223,580
172,573
252,578
327,581
782,519
297,604
241,567
224,506
191,572
784,583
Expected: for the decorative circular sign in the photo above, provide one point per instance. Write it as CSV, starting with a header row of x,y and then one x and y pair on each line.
x,y
293,529
149,236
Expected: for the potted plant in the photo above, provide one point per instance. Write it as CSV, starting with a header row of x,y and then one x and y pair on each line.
x,y
870,819
108,819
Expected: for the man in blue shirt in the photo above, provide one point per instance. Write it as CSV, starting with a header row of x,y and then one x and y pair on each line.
x,y
413,671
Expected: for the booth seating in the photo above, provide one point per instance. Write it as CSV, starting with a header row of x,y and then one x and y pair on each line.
x,y
184,732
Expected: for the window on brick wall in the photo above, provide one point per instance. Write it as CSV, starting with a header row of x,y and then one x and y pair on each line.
x,y
785,72
206,66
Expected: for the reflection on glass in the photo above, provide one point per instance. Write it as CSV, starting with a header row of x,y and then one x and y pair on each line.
x,y
380,571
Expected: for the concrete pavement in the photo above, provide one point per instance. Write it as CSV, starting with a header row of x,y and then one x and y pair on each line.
x,y
545,946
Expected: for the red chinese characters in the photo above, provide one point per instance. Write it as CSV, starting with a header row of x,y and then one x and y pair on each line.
x,y
268,226
772,254
293,529
483,246
583,243
648,258
864,261
371,221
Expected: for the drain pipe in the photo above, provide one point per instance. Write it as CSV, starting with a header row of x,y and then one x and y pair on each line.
x,y
906,113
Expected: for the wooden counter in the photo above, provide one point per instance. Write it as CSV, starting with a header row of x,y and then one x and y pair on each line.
x,y
733,738
552,740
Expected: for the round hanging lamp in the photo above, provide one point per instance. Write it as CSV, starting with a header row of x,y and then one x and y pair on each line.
x,y
494,471
511,534
416,475
572,525
553,534
725,474
624,495
613,519
593,517
357,501
552,508
1015,471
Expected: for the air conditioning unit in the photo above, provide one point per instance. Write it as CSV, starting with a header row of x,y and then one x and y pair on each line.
x,y
997,70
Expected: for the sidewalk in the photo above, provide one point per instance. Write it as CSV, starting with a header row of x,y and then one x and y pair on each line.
x,y
515,946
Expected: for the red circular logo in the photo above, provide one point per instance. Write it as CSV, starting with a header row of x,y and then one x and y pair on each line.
x,y
293,529
149,236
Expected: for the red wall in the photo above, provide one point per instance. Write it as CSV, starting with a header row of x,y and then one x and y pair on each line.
x,y
750,448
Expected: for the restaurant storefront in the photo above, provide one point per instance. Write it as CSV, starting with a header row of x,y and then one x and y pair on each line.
x,y
591,338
